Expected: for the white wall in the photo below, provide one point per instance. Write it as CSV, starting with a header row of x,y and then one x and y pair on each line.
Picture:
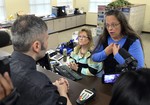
x,y
91,18
14,6
146,24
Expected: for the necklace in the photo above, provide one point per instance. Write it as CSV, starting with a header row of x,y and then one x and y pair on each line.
x,y
117,39
82,54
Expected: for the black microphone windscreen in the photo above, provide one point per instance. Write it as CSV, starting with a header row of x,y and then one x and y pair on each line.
x,y
124,53
130,62
62,101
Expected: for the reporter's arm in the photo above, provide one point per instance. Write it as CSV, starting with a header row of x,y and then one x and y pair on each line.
x,y
6,86
8,95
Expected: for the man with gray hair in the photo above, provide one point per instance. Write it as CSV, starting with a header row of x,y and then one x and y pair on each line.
x,y
30,42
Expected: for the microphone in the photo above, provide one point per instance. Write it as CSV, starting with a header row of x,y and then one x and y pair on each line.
x,y
124,53
130,62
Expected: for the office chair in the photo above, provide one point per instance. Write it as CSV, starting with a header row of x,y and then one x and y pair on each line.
x,y
4,38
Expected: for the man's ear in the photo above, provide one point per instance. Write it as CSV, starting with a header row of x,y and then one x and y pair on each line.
x,y
36,46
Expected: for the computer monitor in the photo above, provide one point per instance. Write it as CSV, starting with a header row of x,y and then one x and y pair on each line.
x,y
59,11
45,62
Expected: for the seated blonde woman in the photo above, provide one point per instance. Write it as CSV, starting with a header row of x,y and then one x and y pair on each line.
x,y
80,59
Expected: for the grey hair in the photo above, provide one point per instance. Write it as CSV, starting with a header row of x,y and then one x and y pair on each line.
x,y
25,30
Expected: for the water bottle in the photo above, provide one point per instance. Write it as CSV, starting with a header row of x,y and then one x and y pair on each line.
x,y
64,55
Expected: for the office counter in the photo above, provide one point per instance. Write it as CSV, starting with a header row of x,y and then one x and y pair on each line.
x,y
59,23
102,91
91,82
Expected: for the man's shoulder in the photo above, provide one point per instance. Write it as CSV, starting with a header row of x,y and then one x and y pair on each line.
x,y
38,77
30,76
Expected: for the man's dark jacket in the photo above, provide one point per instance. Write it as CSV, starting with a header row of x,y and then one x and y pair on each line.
x,y
34,87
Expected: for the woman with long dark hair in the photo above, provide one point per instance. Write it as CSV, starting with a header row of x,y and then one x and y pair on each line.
x,y
117,34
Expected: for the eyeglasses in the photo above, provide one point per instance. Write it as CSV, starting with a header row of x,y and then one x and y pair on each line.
x,y
112,25
84,37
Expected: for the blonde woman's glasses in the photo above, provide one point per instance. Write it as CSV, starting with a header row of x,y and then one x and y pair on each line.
x,y
83,37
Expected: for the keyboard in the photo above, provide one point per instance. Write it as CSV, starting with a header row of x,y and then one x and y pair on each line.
x,y
57,57
65,71
54,55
